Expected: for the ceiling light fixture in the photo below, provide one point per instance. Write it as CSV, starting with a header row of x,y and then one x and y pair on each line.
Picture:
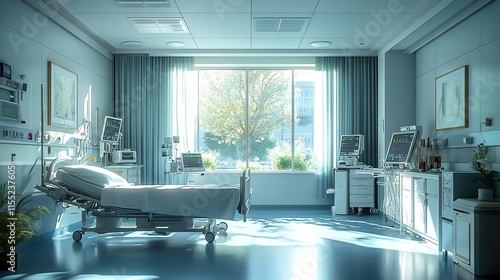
x,y
158,25
132,44
320,44
174,44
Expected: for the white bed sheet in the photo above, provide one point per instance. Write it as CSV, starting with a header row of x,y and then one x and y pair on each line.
x,y
199,201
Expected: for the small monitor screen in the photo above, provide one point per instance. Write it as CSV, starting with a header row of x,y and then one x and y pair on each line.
x,y
111,129
401,147
351,145
192,162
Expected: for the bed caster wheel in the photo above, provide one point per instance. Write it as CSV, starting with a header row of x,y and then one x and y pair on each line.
x,y
351,210
373,210
223,226
210,237
77,235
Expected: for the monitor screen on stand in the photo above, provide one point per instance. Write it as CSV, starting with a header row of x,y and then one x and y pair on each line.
x,y
351,147
401,147
110,134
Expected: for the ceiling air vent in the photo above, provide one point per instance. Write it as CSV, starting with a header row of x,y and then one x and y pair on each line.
x,y
280,24
145,3
159,25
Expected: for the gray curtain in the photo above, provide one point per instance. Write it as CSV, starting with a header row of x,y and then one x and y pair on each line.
x,y
353,110
143,91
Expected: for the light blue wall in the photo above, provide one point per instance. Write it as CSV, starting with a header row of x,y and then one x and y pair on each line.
x,y
474,42
400,87
29,41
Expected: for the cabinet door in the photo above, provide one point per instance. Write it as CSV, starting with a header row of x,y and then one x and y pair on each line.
x,y
341,192
419,211
462,237
406,200
432,216
419,204
406,208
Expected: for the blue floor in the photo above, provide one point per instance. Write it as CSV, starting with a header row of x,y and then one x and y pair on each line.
x,y
273,244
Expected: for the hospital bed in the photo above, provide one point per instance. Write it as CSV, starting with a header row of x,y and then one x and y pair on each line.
x,y
163,209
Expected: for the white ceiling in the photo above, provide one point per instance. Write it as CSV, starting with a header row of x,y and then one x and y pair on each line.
x,y
354,27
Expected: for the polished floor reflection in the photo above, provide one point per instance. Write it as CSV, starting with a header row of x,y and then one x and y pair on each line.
x,y
272,244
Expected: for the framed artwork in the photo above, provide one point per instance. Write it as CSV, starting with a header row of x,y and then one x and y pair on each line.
x,y
451,99
62,96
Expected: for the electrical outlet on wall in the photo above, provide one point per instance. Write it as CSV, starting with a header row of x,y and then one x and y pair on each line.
x,y
488,122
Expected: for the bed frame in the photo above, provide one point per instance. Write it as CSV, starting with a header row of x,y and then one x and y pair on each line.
x,y
109,219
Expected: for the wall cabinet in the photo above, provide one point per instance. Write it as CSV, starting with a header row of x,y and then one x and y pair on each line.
x,y
420,209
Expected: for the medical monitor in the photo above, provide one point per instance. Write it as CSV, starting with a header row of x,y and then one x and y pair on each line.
x,y
192,162
401,147
111,129
351,145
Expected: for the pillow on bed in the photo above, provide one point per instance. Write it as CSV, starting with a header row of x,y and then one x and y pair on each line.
x,y
91,174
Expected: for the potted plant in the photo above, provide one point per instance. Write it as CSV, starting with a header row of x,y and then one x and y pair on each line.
x,y
16,223
480,157
488,179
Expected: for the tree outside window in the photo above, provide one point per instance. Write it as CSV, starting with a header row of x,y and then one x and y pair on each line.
x,y
222,120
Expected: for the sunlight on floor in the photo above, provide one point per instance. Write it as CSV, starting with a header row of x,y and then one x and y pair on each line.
x,y
295,232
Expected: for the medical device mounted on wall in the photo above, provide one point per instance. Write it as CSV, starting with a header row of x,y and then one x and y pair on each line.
x,y
11,95
109,199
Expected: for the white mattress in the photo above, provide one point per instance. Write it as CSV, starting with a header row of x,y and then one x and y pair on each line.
x,y
199,201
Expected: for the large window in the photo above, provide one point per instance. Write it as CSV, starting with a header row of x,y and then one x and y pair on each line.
x,y
263,119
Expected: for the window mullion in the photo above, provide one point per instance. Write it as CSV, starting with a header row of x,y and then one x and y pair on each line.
x,y
292,133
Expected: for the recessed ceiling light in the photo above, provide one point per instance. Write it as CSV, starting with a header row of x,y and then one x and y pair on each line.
x,y
320,44
174,44
132,44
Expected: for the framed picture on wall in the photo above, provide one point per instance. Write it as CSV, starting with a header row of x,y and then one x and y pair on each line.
x,y
451,99
62,96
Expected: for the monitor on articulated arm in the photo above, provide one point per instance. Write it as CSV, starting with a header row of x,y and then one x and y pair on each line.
x,y
111,129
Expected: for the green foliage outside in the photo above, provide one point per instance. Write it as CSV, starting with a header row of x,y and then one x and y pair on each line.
x,y
223,110
210,160
281,157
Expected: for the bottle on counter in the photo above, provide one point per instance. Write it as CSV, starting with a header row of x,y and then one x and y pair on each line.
x,y
423,155
431,155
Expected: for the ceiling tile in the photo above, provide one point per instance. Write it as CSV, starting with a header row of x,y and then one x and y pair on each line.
x,y
214,44
218,7
284,6
276,44
210,26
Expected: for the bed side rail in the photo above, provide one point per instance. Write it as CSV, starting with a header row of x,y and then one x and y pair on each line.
x,y
61,194
245,194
